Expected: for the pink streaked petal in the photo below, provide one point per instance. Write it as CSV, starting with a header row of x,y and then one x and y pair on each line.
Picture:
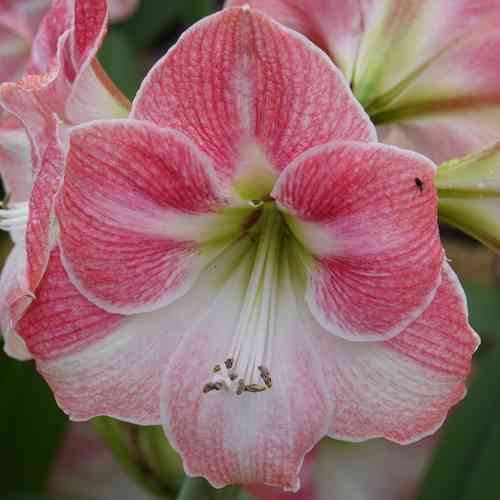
x,y
119,10
250,438
247,90
334,25
12,291
71,81
402,389
308,488
15,160
45,45
40,231
140,197
99,363
372,233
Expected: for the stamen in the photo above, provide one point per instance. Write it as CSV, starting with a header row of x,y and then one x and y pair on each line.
x,y
246,367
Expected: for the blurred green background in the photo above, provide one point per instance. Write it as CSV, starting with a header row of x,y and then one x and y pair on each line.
x,y
464,467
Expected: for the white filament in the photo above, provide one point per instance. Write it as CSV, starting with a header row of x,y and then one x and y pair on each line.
x,y
14,216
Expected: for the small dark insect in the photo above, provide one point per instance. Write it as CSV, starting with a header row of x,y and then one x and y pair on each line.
x,y
420,184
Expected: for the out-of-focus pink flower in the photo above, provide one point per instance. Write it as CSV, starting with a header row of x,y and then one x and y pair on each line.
x,y
64,85
119,10
241,262
375,470
85,467
19,21
426,71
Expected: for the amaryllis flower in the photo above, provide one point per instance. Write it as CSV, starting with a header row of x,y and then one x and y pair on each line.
x,y
119,10
19,20
243,263
426,71
64,85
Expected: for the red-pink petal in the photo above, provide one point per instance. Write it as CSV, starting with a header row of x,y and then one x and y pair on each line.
x,y
136,194
334,25
402,389
247,438
367,213
58,86
237,83
40,231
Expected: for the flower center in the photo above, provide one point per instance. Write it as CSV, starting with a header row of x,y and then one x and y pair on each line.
x,y
13,215
246,367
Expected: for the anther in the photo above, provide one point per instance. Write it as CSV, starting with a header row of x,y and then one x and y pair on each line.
x,y
266,376
216,369
255,388
241,387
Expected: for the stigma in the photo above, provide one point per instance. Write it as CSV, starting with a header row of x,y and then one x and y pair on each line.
x,y
13,216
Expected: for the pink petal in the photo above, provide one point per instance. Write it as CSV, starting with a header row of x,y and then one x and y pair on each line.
x,y
250,438
402,389
247,90
71,81
99,363
15,159
373,234
139,196
119,10
40,231
334,25
19,21
13,288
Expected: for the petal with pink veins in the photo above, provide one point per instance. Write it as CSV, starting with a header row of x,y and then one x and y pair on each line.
x,y
402,389
336,26
148,205
65,78
251,94
98,363
367,213
249,437
420,68
13,288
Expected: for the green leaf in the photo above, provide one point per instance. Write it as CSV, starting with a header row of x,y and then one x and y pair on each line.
x,y
484,308
120,59
196,488
41,497
465,465
31,428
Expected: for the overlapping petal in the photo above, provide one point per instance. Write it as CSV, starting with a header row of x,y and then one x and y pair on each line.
x,y
270,96
147,204
64,78
402,389
367,213
421,69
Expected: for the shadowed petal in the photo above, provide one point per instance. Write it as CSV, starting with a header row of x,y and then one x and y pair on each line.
x,y
367,214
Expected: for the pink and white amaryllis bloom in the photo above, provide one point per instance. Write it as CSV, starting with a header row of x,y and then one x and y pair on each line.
x,y
64,85
19,21
426,71
243,263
